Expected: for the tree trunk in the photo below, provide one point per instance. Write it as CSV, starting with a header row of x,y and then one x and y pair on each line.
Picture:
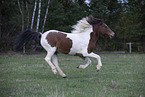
x,y
0,19
33,14
27,15
45,16
38,19
21,11
21,14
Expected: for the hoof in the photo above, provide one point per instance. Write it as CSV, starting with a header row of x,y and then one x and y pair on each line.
x,y
64,76
98,68
81,67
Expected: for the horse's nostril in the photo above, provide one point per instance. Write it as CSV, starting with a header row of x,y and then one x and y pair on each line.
x,y
112,35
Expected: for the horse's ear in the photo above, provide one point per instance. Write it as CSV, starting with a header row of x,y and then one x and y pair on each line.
x,y
90,19
90,16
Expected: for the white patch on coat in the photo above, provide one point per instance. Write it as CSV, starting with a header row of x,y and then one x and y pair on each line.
x,y
80,43
80,37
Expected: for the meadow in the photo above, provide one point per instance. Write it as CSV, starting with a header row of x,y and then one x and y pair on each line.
x,y
122,75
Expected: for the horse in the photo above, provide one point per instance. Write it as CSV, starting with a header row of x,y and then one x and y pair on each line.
x,y
80,42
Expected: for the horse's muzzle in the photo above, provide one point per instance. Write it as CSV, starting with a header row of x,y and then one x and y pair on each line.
x,y
112,35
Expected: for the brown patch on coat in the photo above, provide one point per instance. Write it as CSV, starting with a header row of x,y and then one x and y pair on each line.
x,y
92,42
59,40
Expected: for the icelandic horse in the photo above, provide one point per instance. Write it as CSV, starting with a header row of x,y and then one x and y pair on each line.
x,y
81,41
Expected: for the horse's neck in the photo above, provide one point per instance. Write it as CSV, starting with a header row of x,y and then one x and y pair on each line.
x,y
94,37
93,40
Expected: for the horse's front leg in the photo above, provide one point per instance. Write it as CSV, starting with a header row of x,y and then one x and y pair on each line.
x,y
86,65
97,57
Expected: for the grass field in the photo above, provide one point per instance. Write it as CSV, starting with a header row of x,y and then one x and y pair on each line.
x,y
122,75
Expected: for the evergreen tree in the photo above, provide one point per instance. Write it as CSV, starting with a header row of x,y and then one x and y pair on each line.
x,y
126,19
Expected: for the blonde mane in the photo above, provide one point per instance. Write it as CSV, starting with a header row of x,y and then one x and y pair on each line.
x,y
82,26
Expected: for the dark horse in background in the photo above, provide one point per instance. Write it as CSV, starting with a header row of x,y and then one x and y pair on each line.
x,y
81,41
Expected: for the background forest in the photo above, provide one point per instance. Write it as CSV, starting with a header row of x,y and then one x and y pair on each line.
x,y
125,17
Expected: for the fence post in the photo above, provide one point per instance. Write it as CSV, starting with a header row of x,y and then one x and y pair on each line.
x,y
129,47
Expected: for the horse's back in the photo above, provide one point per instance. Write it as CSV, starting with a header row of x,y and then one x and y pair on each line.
x,y
57,39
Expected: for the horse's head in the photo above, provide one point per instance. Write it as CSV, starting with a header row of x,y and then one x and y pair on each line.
x,y
99,27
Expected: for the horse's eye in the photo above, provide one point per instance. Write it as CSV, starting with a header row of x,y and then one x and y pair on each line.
x,y
105,26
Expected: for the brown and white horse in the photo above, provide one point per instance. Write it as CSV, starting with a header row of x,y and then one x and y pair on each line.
x,y
80,42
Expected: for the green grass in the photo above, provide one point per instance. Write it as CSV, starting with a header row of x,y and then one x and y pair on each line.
x,y
122,75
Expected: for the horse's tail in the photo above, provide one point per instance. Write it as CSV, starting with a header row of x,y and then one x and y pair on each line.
x,y
25,37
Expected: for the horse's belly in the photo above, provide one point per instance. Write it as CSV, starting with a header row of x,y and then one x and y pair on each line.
x,y
79,50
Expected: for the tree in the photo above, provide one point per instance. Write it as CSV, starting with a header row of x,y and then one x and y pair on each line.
x,y
33,14
38,19
126,19
0,17
62,18
45,16
21,11
27,14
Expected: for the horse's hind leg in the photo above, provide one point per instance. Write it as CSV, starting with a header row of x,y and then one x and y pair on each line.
x,y
87,64
48,60
55,61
